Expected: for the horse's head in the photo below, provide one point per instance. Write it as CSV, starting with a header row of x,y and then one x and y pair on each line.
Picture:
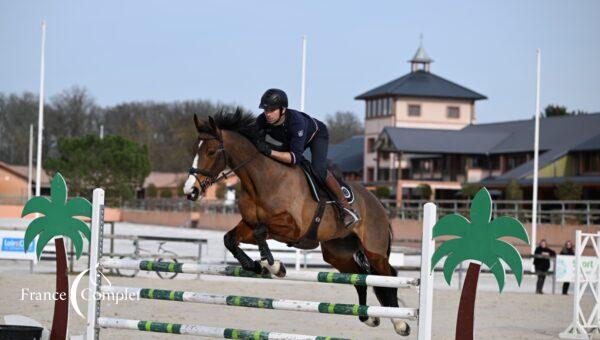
x,y
209,159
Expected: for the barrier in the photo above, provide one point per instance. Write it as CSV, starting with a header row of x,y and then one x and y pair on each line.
x,y
95,322
584,325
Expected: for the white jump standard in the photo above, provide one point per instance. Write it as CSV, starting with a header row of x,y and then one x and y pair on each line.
x,y
95,321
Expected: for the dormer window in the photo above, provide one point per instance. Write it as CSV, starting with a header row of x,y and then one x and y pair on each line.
x,y
414,110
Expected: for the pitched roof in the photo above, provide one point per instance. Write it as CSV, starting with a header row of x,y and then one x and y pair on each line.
x,y
165,179
558,136
22,171
422,84
348,155
421,56
442,141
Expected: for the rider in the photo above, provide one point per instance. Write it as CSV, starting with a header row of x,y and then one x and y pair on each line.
x,y
296,131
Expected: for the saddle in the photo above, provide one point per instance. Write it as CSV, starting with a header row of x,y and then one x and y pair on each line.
x,y
322,195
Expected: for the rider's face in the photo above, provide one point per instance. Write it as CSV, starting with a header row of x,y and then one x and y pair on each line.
x,y
273,115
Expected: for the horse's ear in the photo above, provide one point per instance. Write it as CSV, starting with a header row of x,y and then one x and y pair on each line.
x,y
211,123
198,123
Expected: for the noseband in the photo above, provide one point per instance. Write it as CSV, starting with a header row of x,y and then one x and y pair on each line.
x,y
212,178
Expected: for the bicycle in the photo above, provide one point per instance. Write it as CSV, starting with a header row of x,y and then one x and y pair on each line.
x,y
141,253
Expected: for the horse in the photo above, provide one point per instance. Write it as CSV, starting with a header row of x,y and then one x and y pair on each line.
x,y
275,203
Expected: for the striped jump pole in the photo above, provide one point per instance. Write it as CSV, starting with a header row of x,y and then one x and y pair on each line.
x,y
204,331
236,271
265,303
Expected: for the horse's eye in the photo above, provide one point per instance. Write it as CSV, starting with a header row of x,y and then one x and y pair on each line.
x,y
212,153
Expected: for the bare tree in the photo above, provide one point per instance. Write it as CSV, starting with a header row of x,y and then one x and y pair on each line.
x,y
343,125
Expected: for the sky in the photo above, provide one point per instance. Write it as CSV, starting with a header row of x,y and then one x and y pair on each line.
x,y
232,51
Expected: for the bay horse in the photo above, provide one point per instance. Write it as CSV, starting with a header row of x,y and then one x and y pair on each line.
x,y
275,202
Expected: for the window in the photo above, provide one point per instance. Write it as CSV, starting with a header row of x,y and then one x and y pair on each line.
x,y
591,162
414,110
371,145
389,106
453,112
370,174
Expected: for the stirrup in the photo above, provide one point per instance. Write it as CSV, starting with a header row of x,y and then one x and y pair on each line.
x,y
354,216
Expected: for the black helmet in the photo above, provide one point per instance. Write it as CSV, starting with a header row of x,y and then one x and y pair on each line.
x,y
273,99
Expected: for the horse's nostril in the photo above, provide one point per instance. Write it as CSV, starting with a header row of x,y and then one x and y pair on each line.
x,y
194,195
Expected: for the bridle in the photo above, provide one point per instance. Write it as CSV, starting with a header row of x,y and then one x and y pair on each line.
x,y
211,177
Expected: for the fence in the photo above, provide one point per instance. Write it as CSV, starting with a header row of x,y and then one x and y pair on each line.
x,y
552,212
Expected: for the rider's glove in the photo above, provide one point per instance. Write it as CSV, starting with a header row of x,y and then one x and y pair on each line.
x,y
264,148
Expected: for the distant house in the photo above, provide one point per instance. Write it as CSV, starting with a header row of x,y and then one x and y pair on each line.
x,y
493,155
347,158
170,184
420,100
13,183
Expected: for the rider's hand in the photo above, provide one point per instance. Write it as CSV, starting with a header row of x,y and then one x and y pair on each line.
x,y
263,148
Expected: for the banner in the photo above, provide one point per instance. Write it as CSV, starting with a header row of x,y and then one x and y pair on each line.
x,y
12,243
565,267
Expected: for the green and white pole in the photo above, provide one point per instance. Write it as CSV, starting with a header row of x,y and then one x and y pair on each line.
x,y
236,271
205,331
131,293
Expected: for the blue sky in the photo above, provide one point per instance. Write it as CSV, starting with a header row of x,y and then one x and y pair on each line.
x,y
231,51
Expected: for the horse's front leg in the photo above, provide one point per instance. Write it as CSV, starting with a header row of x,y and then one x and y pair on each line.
x,y
261,235
242,233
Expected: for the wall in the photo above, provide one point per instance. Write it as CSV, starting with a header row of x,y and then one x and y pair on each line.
x,y
12,185
433,113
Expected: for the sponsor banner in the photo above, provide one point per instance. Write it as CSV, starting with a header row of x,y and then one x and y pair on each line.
x,y
12,246
565,267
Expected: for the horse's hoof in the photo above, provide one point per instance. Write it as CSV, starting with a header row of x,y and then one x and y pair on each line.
x,y
281,272
372,322
277,269
401,327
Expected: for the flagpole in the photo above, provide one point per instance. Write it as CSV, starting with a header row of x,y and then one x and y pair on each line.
x,y
30,158
303,80
536,151
38,171
302,98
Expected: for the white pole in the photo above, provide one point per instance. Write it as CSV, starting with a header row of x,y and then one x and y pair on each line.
x,y
536,151
426,288
302,97
30,168
97,223
101,131
303,81
38,171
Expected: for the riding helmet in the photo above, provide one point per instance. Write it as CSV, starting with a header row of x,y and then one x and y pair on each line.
x,y
273,99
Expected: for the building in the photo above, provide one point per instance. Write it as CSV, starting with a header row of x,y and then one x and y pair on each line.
x,y
13,183
495,154
170,184
347,157
419,99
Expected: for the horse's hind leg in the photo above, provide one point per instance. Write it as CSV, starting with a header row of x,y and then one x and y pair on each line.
x,y
266,257
388,297
340,254
242,233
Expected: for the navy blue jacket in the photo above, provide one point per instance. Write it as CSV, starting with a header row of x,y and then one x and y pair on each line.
x,y
295,134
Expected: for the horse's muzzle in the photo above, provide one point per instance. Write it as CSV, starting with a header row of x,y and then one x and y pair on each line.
x,y
194,195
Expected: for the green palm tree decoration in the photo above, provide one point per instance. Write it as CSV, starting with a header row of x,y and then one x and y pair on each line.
x,y
478,240
59,217
58,220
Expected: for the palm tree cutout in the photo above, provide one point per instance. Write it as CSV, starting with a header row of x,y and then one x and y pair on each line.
x,y
477,240
58,220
